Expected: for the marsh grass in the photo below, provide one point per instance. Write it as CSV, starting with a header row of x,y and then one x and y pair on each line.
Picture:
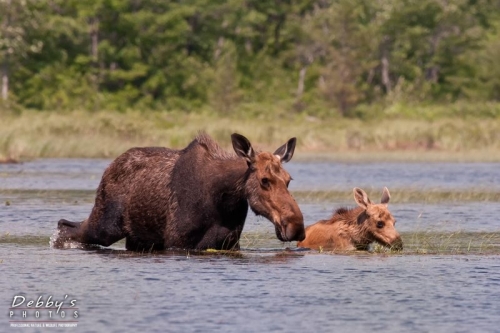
x,y
458,242
261,240
437,243
107,134
403,195
10,197
24,240
415,243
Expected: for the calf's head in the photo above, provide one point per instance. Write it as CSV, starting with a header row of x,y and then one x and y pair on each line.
x,y
267,187
377,220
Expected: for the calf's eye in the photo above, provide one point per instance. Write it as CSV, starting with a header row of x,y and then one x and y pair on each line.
x,y
265,181
380,224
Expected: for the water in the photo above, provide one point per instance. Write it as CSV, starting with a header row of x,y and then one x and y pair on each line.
x,y
85,174
428,176
262,292
265,287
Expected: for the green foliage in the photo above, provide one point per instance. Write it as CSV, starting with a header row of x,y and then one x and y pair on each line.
x,y
224,91
332,57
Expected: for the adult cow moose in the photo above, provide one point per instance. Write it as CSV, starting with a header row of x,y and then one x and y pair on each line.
x,y
194,198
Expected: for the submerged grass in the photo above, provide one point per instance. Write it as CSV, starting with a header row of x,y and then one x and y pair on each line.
x,y
438,243
107,134
24,240
47,194
403,195
415,243
398,195
459,242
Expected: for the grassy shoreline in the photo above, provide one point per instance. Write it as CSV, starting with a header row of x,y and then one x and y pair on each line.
x,y
103,134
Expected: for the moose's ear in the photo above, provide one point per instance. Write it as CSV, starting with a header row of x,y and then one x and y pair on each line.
x,y
243,147
285,152
361,198
386,196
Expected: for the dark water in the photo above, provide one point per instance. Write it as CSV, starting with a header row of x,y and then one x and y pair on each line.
x,y
265,287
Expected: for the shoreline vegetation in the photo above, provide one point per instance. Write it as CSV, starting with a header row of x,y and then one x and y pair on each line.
x,y
387,137
355,81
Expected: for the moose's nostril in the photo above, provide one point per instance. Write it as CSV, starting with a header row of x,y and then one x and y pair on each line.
x,y
294,233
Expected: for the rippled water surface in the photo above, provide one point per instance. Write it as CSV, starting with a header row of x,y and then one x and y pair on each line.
x,y
268,286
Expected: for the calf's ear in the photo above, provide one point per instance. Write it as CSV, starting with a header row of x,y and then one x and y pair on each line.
x,y
285,152
386,196
243,147
361,198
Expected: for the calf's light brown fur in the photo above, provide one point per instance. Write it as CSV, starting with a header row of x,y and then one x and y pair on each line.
x,y
351,229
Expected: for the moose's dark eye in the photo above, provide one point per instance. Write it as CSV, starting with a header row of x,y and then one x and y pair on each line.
x,y
265,182
380,224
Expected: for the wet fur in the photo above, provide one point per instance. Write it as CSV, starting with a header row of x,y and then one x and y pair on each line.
x,y
343,231
353,229
161,198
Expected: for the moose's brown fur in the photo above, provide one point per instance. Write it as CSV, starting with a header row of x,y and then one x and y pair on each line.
x,y
350,229
195,198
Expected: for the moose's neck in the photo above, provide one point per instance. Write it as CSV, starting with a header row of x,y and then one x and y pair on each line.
x,y
351,225
361,235
230,178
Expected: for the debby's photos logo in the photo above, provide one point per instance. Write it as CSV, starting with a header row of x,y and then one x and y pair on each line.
x,y
43,312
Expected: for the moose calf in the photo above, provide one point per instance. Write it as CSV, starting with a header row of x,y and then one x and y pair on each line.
x,y
356,228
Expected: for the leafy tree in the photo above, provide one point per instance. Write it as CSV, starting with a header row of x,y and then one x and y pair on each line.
x,y
333,55
17,19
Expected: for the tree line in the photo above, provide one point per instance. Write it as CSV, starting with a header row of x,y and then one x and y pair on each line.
x,y
323,56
